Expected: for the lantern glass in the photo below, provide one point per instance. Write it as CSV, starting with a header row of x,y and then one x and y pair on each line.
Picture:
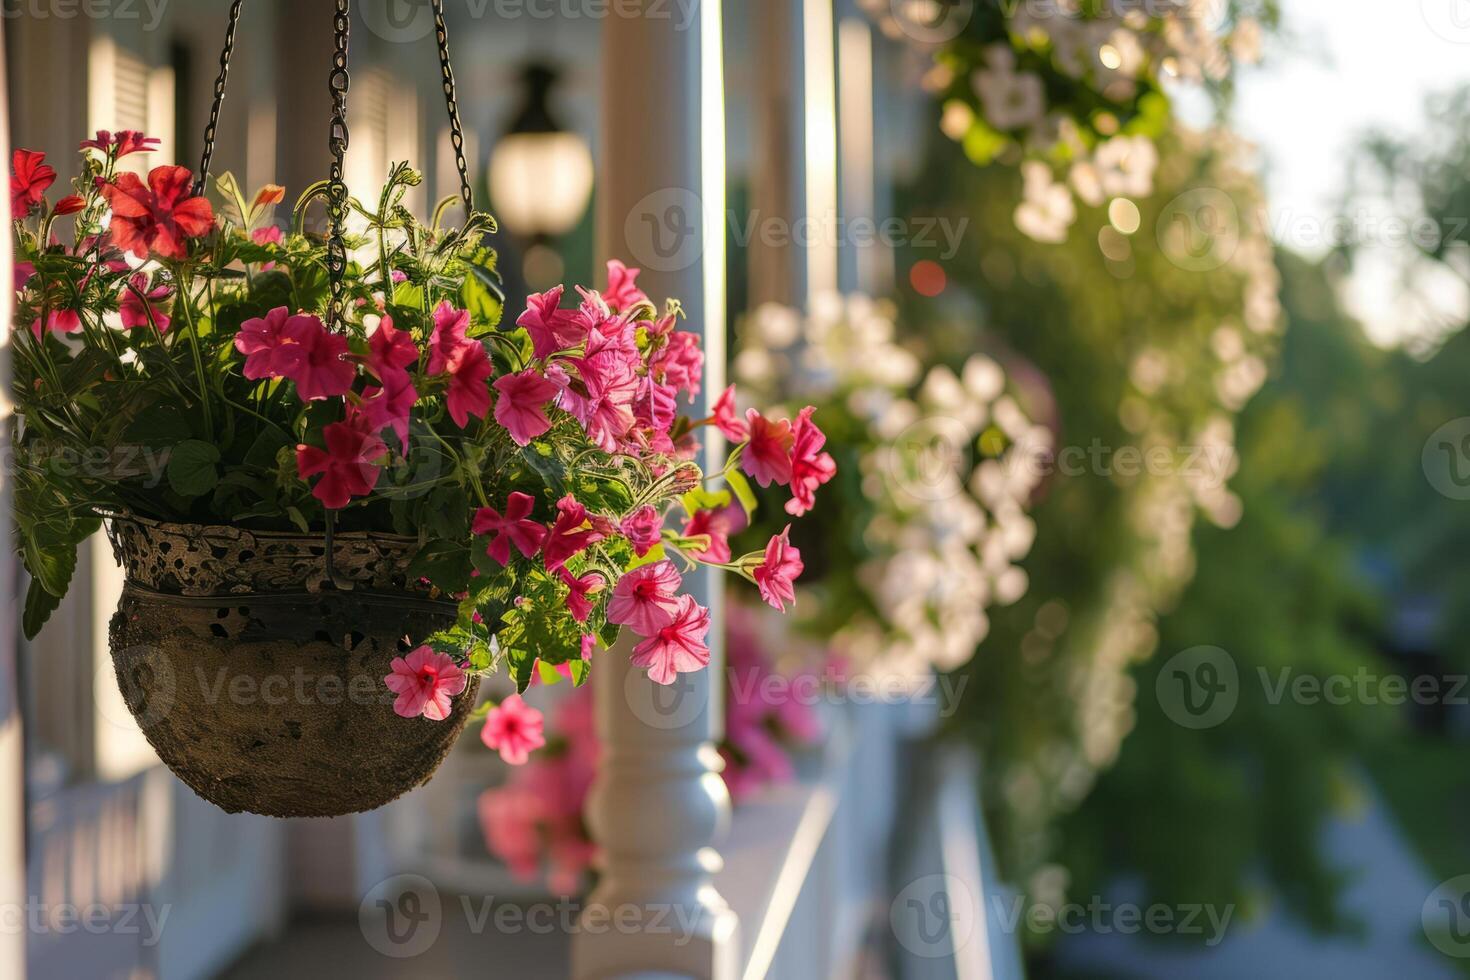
x,y
540,182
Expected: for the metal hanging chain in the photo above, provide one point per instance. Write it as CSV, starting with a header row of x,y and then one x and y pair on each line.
x,y
456,133
337,137
219,97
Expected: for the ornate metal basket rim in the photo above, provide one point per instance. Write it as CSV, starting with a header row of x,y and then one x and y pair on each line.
x,y
225,559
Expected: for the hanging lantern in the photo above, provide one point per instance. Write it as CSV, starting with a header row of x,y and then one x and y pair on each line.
x,y
540,173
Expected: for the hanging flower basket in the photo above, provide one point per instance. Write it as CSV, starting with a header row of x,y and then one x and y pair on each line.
x,y
259,684
326,461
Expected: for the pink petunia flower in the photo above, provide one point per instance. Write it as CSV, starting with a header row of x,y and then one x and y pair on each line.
x,y
577,602
552,329
468,394
514,729
511,818
573,530
30,175
452,352
645,599
521,407
322,370
348,465
681,363
718,523
269,235
425,683
642,529
605,411
678,647
58,321
157,217
450,327
143,311
391,351
391,406
810,467
655,409
725,419
775,577
514,527
767,456
622,290
270,351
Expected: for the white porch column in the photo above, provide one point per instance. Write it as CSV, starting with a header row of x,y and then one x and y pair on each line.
x,y
659,808
794,194
12,760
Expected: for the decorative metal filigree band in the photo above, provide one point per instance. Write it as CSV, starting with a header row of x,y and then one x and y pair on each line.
x,y
214,560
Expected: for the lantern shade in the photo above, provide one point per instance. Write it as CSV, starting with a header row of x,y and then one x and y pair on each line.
x,y
540,172
540,182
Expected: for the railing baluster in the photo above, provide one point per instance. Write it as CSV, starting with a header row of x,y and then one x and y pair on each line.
x,y
659,808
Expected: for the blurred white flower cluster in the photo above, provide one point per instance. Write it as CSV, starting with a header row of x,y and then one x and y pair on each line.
x,y
1113,60
947,463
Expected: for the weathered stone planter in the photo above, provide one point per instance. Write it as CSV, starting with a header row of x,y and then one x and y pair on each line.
x,y
258,682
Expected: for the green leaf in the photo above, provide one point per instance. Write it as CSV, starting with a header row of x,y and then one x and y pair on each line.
x,y
40,604
654,554
743,492
481,292
157,427
193,468
444,563
701,499
266,447
581,670
551,470
522,667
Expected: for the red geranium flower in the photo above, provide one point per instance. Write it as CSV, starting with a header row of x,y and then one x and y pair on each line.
x,y
29,178
157,217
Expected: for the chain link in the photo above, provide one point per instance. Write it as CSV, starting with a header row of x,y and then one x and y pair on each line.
x,y
219,97
456,134
337,137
